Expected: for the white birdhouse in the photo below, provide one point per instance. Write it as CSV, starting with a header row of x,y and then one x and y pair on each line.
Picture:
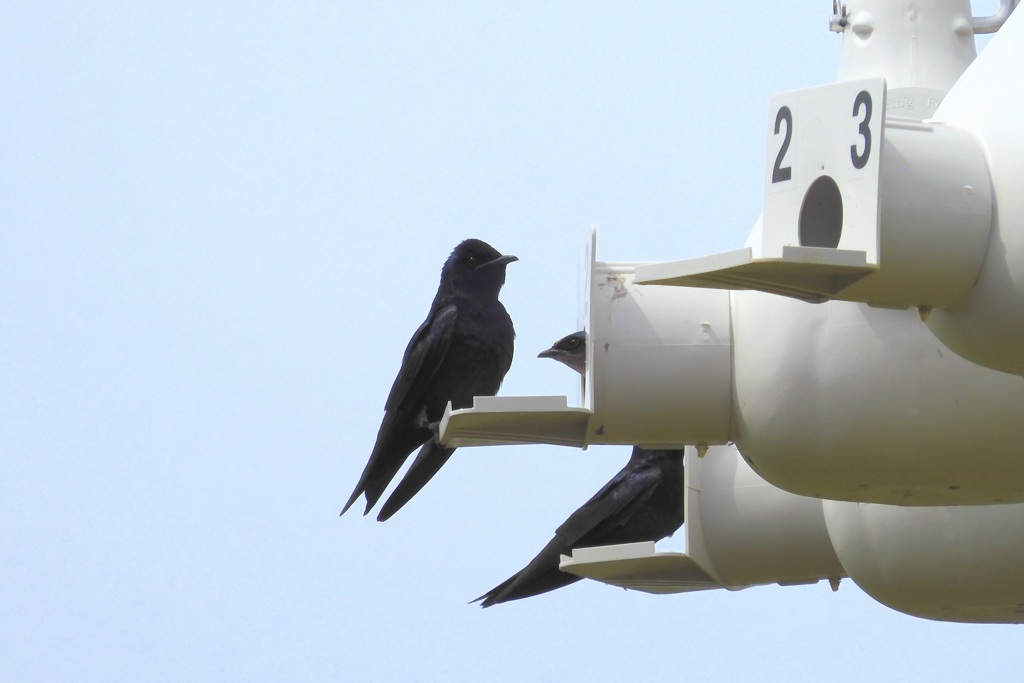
x,y
864,351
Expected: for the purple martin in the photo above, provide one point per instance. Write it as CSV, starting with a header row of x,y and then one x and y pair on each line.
x,y
571,350
463,349
643,502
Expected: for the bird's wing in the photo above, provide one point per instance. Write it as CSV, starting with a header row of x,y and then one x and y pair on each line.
x,y
631,487
628,488
398,436
424,355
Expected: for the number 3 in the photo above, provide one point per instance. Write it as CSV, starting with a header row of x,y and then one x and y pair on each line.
x,y
861,160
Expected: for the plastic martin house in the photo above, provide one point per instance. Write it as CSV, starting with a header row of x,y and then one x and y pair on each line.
x,y
863,352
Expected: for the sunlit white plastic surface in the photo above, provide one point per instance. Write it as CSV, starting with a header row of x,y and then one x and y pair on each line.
x,y
948,563
496,420
935,218
806,273
845,401
661,365
988,101
921,48
638,566
743,531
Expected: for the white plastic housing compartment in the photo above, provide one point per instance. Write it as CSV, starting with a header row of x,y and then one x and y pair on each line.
x,y
660,362
949,563
743,531
850,402
935,218
988,100
920,48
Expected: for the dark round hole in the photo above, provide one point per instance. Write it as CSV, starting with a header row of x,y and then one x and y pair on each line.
x,y
821,216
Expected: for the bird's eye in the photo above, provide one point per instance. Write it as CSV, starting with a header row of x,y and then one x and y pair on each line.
x,y
473,260
573,343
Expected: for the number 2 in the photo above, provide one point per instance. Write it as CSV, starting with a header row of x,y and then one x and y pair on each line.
x,y
782,173
861,160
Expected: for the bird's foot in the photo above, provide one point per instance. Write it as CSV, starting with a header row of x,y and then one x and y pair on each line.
x,y
422,422
435,429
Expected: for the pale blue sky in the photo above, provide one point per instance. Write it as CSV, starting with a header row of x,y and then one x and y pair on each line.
x,y
219,226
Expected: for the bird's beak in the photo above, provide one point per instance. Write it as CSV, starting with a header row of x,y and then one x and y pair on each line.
x,y
500,261
548,353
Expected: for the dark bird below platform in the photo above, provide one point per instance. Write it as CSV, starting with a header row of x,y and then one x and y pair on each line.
x,y
643,502
463,349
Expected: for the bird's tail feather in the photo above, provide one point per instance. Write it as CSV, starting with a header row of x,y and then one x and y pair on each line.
x,y
492,596
389,454
428,461
521,586
539,576
352,498
373,486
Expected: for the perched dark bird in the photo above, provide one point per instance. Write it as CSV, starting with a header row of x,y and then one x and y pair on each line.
x,y
463,349
643,502
571,350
